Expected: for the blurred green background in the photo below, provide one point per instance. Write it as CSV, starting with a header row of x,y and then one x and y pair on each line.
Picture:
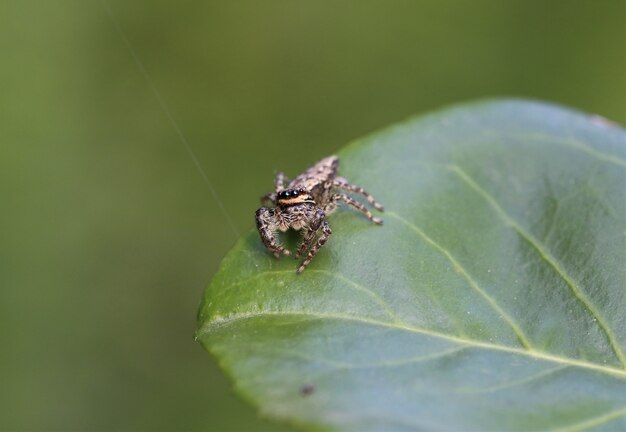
x,y
108,233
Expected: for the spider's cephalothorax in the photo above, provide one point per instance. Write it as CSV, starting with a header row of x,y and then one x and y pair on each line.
x,y
304,204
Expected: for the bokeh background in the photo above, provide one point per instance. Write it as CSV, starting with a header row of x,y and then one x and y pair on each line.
x,y
108,233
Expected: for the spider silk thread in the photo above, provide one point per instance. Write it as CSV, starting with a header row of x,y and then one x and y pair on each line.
x,y
169,116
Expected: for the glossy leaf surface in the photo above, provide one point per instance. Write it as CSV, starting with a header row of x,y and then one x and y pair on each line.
x,y
493,298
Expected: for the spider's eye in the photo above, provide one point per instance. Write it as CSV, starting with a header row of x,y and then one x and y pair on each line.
x,y
295,194
286,194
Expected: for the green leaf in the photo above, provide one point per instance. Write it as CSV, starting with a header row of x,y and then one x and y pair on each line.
x,y
493,297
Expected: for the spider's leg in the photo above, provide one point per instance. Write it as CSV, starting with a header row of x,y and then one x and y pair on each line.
x,y
266,224
279,181
342,183
309,234
268,198
326,232
330,206
357,205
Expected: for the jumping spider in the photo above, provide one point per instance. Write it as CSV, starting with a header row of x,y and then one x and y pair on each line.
x,y
304,204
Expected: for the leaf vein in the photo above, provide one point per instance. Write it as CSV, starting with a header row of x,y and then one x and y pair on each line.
x,y
470,280
514,383
217,322
593,422
342,365
352,284
548,258
406,361
578,145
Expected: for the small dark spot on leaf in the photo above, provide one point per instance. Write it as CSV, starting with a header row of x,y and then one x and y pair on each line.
x,y
307,390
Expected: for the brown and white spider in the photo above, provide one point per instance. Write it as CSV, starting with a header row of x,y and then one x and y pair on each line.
x,y
304,204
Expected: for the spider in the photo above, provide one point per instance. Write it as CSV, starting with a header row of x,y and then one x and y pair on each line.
x,y
304,204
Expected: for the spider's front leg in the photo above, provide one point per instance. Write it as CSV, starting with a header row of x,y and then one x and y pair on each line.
x,y
268,198
279,181
279,185
266,224
316,225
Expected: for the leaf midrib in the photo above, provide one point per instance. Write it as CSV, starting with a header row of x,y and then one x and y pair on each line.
x,y
218,322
